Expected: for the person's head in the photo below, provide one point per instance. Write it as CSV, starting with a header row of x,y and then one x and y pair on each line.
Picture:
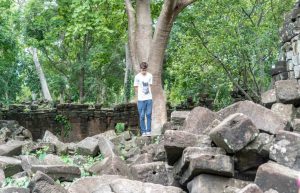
x,y
143,67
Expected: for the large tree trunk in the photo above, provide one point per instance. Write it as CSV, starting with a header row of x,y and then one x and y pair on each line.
x,y
81,84
41,75
144,47
128,71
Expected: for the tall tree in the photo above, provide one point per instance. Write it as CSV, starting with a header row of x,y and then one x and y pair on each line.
x,y
146,46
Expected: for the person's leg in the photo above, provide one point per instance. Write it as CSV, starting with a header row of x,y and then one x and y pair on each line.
x,y
141,109
149,115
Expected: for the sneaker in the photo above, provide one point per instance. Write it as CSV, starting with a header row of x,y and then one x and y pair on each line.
x,y
148,133
144,134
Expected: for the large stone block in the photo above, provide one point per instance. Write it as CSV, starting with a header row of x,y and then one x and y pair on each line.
x,y
286,149
285,111
206,183
10,165
278,177
61,148
234,133
178,117
107,148
11,148
154,172
268,98
88,146
176,141
264,119
191,152
14,190
107,183
250,188
221,165
287,91
198,120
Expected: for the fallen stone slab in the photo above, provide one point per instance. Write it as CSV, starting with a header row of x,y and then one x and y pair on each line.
x,y
250,188
285,111
278,177
61,147
61,172
268,98
112,165
287,91
140,159
88,146
117,184
192,152
43,183
154,172
234,133
176,141
296,125
14,190
10,165
198,120
206,183
11,148
221,165
107,148
263,118
178,117
286,149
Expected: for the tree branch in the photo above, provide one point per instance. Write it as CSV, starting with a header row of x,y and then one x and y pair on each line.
x,y
220,62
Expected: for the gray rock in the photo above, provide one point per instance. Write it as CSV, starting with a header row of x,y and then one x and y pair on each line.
x,y
221,165
140,159
176,141
112,165
154,172
271,191
61,148
117,184
250,188
178,117
88,146
278,177
192,152
215,123
296,125
110,134
268,98
41,183
198,120
61,172
11,148
285,111
234,133
286,149
10,165
107,148
287,91
213,184
14,190
270,123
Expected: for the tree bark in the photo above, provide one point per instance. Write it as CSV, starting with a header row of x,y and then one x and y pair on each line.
x,y
81,85
41,75
128,70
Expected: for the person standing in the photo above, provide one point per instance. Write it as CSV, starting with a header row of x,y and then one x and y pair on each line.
x,y
142,88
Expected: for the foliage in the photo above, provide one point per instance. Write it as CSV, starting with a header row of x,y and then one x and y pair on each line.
x,y
65,127
20,182
120,127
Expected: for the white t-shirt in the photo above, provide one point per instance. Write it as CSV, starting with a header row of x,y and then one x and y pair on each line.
x,y
143,83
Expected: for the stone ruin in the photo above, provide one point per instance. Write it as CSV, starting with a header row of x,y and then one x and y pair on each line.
x,y
243,148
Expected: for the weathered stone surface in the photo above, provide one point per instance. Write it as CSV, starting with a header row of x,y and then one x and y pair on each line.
x,y
221,165
213,124
41,183
255,153
178,117
14,190
285,111
88,146
140,159
198,120
60,146
61,172
296,125
176,141
117,184
28,160
10,165
154,172
157,151
278,177
270,123
192,152
112,165
234,132
250,188
287,91
110,134
11,148
271,191
212,184
268,98
286,149
107,148
51,159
